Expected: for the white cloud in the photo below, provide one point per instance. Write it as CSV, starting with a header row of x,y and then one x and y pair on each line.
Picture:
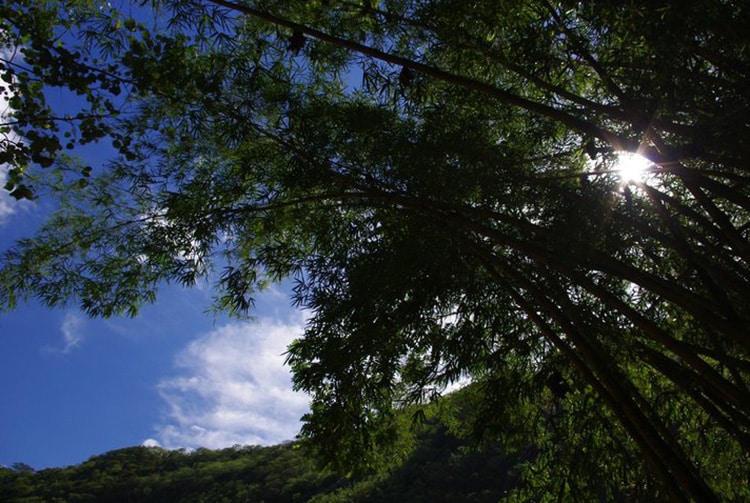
x,y
71,330
72,334
233,388
150,442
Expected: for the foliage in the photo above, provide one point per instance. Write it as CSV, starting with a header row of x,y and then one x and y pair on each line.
x,y
457,215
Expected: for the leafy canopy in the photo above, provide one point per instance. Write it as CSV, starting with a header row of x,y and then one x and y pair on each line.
x,y
440,180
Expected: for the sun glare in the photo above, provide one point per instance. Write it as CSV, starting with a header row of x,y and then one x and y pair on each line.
x,y
632,167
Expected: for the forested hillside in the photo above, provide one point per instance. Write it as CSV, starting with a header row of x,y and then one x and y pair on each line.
x,y
440,468
278,473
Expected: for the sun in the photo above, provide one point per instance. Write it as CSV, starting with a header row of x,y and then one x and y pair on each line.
x,y
632,167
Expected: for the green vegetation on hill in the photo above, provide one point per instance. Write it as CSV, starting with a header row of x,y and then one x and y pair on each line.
x,y
440,468
144,474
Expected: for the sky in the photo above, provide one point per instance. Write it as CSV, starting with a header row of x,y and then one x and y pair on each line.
x,y
174,376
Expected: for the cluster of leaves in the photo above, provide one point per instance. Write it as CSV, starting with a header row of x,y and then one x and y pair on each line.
x,y
34,60
458,215
70,70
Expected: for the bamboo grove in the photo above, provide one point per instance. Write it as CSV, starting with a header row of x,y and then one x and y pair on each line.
x,y
440,180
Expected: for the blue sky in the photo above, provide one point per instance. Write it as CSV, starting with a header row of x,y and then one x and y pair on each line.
x,y
175,376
